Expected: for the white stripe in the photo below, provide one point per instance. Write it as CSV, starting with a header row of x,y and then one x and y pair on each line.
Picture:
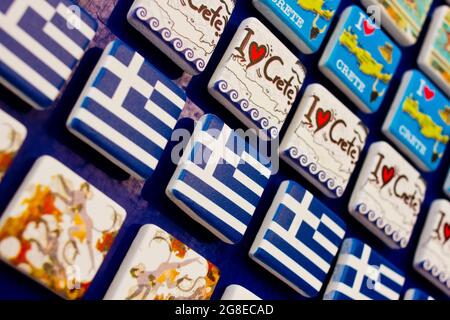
x,y
391,274
333,226
300,247
221,188
160,113
37,49
209,205
386,291
169,94
26,72
120,140
291,264
82,27
266,172
18,8
361,265
63,40
127,117
325,243
248,182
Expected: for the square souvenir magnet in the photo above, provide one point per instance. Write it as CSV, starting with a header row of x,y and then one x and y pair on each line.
x,y
304,22
160,267
12,136
403,19
361,273
324,141
434,57
258,79
58,229
42,43
186,31
360,59
419,121
388,195
127,110
299,239
432,258
220,179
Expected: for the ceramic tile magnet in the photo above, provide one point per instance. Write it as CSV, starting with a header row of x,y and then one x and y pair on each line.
x,y
41,43
403,19
304,22
324,141
432,258
236,292
434,57
58,228
419,121
258,78
12,135
299,239
186,31
388,195
361,59
160,267
417,294
220,179
362,274
447,184
127,110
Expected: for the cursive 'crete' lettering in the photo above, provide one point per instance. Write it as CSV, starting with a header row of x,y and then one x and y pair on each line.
x,y
210,15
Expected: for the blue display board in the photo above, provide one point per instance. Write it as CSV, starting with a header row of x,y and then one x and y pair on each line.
x,y
148,203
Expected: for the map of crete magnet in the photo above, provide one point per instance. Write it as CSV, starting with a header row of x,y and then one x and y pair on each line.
x,y
388,195
360,59
324,141
304,22
419,121
258,78
403,19
432,258
434,58
186,30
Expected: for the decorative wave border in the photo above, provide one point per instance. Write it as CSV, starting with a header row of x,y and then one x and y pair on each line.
x,y
378,222
142,15
243,104
428,267
311,167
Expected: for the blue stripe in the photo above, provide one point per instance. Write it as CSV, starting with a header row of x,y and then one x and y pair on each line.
x,y
34,24
215,196
122,52
294,254
111,148
370,292
31,60
5,4
27,88
273,263
152,75
284,217
305,235
252,173
212,124
135,103
166,104
337,295
329,234
352,246
73,33
388,282
123,127
216,223
224,172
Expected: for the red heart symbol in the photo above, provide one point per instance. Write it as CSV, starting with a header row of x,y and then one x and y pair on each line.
x,y
369,29
388,174
429,93
447,231
256,53
322,118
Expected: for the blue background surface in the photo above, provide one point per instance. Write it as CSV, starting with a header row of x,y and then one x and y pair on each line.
x,y
47,135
